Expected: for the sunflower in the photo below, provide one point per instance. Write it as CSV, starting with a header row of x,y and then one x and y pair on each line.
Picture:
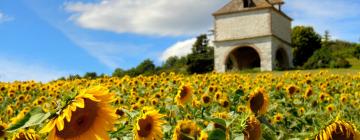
x,y
26,135
89,115
253,129
241,109
258,101
292,89
343,98
301,111
323,96
9,111
185,129
338,130
308,92
205,99
224,103
148,126
184,95
203,135
278,117
2,129
330,108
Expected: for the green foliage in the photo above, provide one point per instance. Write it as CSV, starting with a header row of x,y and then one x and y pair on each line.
x,y
305,41
357,52
200,45
323,58
147,67
118,72
90,75
35,117
175,64
202,58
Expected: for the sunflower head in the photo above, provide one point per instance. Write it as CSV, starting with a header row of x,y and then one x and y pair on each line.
x,y
309,91
185,129
301,111
149,126
205,99
338,130
26,135
258,101
87,115
2,129
184,95
330,108
203,135
241,109
343,98
292,89
277,118
253,129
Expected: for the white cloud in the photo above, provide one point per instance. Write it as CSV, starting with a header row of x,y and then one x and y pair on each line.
x,y
4,18
11,70
181,48
149,17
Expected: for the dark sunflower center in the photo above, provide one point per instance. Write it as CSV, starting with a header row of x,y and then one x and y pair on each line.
x,y
292,90
278,118
341,134
120,112
81,120
225,104
2,132
183,92
146,126
257,102
206,99
186,130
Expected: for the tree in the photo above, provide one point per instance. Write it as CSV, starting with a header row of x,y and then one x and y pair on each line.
x,y
202,58
118,72
200,45
90,75
325,58
146,67
305,41
326,38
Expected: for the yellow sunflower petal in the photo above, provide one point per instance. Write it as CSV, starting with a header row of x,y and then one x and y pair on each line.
x,y
79,103
60,123
48,127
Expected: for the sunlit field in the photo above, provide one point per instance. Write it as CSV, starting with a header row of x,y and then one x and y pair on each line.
x,y
280,105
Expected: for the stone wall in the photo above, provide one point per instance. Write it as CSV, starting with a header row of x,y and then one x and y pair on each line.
x,y
281,26
242,25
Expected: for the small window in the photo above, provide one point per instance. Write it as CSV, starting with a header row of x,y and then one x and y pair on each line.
x,y
248,3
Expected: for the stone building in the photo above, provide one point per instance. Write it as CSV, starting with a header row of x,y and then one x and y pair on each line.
x,y
250,34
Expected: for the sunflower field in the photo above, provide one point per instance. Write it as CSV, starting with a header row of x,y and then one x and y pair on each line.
x,y
229,106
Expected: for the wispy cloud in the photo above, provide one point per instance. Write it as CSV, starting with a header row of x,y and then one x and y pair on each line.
x,y
112,55
149,17
11,70
5,18
341,18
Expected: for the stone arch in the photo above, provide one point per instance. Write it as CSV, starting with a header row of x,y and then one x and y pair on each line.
x,y
282,60
243,57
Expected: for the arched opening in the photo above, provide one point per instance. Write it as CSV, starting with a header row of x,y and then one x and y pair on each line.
x,y
242,58
281,59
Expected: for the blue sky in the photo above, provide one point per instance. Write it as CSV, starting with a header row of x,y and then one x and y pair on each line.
x,y
46,39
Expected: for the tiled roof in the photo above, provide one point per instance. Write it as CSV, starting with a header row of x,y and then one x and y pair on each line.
x,y
238,5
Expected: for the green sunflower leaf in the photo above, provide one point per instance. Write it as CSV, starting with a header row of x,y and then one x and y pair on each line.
x,y
217,134
35,117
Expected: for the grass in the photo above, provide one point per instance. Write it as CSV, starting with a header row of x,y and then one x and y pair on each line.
x,y
355,63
